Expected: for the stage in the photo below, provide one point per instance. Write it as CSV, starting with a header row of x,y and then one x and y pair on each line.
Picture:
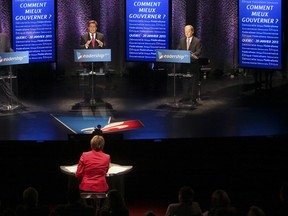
x,y
234,139
229,107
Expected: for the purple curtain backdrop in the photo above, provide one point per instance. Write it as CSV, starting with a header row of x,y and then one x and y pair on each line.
x,y
217,26
178,22
215,23
5,18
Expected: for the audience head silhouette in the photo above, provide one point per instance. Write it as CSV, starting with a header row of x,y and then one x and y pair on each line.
x,y
30,197
220,199
149,213
284,193
186,195
186,204
255,211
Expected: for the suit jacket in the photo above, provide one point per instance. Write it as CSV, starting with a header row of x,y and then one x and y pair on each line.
x,y
5,45
86,37
184,209
92,170
195,46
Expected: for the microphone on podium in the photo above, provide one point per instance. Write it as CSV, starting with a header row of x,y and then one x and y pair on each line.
x,y
194,56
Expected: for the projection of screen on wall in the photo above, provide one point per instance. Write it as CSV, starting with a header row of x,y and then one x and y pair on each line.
x,y
260,34
33,29
147,29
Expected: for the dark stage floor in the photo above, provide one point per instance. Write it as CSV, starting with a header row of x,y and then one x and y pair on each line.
x,y
228,107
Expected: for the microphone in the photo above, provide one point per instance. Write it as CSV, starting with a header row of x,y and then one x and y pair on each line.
x,y
193,56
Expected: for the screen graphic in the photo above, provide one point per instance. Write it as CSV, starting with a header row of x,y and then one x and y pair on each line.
x,y
147,29
33,27
260,34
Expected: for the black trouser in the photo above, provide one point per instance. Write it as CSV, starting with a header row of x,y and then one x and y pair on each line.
x,y
190,84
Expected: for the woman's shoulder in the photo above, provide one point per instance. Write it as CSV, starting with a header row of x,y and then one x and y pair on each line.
x,y
104,154
87,154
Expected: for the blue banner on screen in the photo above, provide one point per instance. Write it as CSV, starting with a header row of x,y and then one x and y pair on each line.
x,y
92,55
173,56
14,58
33,24
260,34
147,29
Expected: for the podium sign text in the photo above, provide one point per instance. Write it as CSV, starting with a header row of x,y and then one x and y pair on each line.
x,y
92,55
173,56
14,58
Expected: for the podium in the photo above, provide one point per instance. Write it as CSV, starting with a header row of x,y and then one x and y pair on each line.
x,y
174,56
92,56
115,175
6,81
114,169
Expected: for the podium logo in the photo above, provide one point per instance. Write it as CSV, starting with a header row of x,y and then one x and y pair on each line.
x,y
90,56
12,59
79,55
160,55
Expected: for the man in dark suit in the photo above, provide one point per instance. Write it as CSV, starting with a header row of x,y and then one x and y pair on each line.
x,y
5,45
192,43
92,40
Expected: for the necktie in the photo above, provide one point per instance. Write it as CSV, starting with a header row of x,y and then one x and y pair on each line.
x,y
188,43
93,40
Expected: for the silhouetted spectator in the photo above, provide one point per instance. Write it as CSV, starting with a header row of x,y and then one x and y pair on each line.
x,y
219,200
149,213
30,206
283,209
114,205
255,211
186,205
74,207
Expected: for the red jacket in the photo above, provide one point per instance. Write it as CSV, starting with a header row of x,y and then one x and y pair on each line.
x,y
92,170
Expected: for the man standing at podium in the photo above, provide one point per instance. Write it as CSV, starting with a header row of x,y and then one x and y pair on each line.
x,y
92,40
194,45
5,45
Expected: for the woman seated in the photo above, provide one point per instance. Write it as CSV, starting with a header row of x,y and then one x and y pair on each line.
x,y
93,167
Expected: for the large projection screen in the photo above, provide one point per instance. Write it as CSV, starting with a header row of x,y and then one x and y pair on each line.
x,y
260,34
33,29
147,29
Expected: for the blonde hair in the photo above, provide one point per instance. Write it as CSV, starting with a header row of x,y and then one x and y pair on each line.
x,y
97,143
